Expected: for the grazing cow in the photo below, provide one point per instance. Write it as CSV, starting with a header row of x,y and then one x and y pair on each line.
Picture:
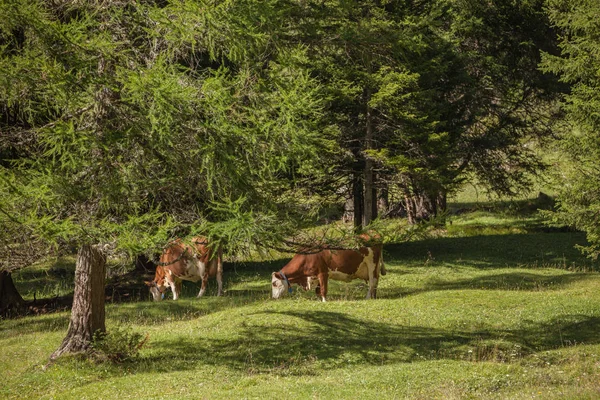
x,y
344,265
181,261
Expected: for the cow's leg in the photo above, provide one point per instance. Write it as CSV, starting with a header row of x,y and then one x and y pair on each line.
x,y
174,284
372,269
323,280
178,287
203,286
220,272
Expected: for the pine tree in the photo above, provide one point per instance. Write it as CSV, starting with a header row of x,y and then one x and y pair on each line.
x,y
578,65
427,93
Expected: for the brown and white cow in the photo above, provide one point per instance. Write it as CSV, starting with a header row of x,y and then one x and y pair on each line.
x,y
182,261
344,265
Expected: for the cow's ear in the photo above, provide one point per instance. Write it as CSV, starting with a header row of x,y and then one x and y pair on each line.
x,y
149,283
277,275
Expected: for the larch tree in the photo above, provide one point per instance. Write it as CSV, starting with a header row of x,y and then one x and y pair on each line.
x,y
129,123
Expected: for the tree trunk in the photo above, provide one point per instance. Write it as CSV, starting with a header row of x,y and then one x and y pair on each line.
x,y
357,195
383,201
370,195
375,198
425,206
87,314
10,299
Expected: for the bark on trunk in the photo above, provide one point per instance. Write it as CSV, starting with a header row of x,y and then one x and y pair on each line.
x,y
370,196
357,194
87,314
383,201
424,206
10,299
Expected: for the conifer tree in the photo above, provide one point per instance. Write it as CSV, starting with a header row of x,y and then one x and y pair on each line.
x,y
578,65
427,92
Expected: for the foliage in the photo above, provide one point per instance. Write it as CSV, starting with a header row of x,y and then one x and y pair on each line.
x,y
117,345
432,92
579,190
132,123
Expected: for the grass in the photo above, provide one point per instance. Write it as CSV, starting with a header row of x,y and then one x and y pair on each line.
x,y
496,308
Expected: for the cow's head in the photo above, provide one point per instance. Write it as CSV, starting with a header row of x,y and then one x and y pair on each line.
x,y
158,286
156,290
279,285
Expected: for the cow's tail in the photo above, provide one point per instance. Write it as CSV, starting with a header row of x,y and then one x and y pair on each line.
x,y
382,270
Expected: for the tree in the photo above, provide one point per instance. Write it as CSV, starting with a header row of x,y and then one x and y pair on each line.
x,y
578,65
10,298
19,248
147,121
426,93
87,315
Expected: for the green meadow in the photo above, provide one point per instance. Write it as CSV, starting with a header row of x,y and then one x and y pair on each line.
x,y
495,306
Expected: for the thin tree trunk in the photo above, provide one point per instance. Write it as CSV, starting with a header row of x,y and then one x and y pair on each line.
x,y
410,210
370,191
10,299
375,198
383,201
357,194
87,314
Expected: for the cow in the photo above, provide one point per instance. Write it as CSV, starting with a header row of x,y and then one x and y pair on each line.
x,y
343,264
182,261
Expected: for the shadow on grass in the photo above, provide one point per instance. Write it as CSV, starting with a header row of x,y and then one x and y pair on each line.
x,y
336,340
32,325
248,282
521,281
556,250
243,285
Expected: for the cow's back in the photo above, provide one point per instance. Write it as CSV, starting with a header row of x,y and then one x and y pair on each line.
x,y
174,258
311,264
346,265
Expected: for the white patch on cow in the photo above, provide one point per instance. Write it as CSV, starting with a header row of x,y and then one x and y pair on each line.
x,y
174,290
173,282
367,266
340,276
279,287
194,270
364,270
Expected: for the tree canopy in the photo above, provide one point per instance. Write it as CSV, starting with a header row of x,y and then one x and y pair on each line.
x,y
132,122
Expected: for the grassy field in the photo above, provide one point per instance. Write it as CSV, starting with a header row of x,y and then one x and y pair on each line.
x,y
494,307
